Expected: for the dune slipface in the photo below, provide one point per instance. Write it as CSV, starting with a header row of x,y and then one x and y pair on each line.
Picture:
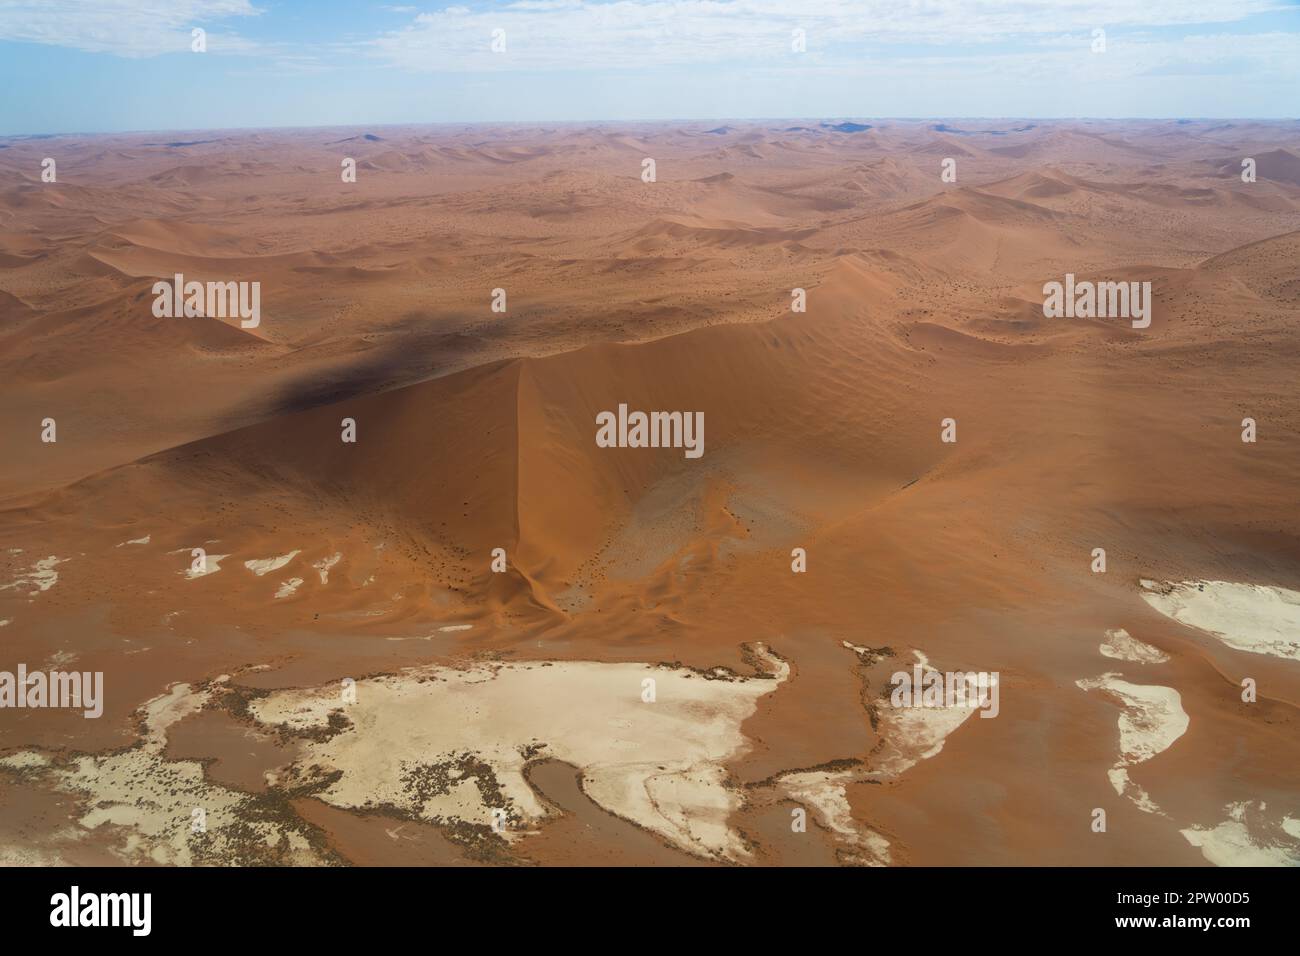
x,y
798,505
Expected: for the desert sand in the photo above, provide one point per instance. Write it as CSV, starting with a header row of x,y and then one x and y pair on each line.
x,y
492,586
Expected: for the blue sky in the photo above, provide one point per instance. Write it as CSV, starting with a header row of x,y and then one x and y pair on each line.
x,y
115,65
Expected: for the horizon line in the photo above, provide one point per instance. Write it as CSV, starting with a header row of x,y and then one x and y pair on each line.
x,y
654,121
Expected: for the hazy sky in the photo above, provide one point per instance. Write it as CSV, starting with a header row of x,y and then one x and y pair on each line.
x,y
127,64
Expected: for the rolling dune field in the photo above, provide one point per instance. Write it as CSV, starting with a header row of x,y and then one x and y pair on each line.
x,y
367,584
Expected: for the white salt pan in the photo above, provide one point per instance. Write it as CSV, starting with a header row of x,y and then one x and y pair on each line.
x,y
659,764
324,564
40,575
287,588
261,566
825,793
211,565
151,799
1232,844
1246,617
1122,646
1151,720
909,735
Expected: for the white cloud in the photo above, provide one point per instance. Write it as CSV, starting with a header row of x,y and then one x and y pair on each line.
x,y
127,28
1020,39
573,34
